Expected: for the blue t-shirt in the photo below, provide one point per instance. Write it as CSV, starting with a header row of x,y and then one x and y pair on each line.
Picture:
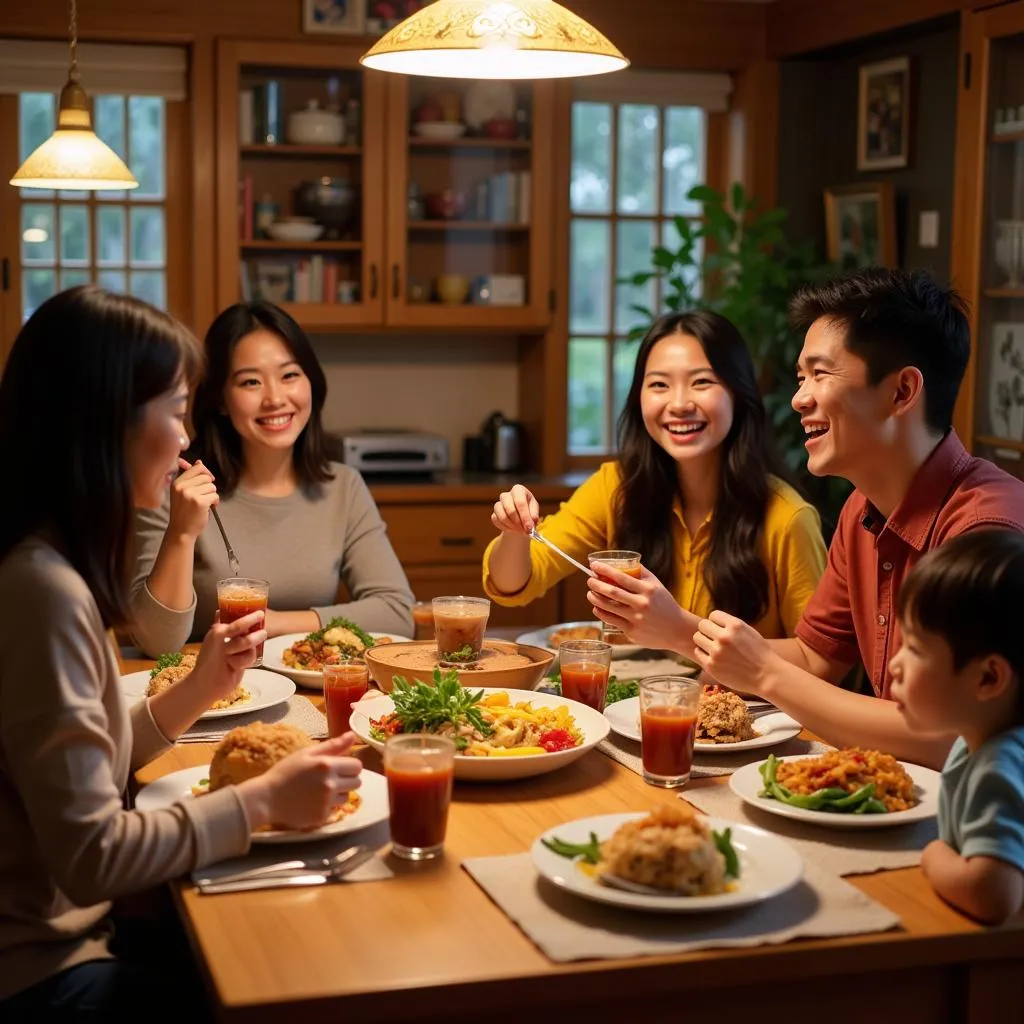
x,y
981,800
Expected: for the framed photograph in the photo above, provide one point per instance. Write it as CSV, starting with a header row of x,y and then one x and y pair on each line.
x,y
384,15
860,225
883,115
337,17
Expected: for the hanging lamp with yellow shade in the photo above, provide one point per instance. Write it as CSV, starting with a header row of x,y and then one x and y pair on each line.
x,y
502,39
74,157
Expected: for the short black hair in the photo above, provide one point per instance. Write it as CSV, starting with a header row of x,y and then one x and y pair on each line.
x,y
897,318
216,441
970,591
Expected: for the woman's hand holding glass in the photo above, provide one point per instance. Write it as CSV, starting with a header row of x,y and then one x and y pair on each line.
x,y
193,494
516,511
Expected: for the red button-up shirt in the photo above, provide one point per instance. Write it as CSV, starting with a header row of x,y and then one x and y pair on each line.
x,y
852,614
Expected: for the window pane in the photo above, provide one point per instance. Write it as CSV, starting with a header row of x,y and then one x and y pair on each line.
x,y
588,395
36,287
37,233
149,285
638,159
636,239
112,280
74,234
692,274
37,116
683,158
72,278
591,188
623,360
147,236
110,231
590,275
146,145
108,115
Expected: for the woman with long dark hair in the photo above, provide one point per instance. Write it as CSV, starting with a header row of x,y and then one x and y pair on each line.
x,y
294,518
88,453
697,489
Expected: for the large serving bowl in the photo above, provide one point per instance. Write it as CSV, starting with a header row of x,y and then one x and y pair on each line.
x,y
417,660
591,723
332,202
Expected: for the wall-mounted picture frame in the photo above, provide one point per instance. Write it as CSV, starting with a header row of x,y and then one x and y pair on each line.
x,y
883,115
860,225
384,15
334,17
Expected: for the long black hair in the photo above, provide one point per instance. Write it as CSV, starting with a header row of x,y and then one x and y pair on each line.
x,y
216,441
734,571
78,379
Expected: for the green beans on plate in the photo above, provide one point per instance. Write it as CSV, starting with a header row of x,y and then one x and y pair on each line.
x,y
831,799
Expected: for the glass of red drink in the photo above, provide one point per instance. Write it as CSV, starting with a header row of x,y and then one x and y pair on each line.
x,y
239,596
420,771
423,620
668,724
344,684
624,561
459,627
584,666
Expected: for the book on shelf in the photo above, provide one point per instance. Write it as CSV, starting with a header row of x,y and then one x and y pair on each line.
x,y
309,279
245,208
246,117
503,198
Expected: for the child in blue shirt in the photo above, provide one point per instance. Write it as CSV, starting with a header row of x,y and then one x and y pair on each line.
x,y
960,672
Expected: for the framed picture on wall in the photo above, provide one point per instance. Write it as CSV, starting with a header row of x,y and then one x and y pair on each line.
x,y
860,225
384,15
883,115
334,17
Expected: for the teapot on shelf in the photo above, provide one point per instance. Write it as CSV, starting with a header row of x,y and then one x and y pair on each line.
x,y
504,444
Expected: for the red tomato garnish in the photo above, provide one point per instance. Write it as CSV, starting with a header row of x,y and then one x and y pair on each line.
x,y
556,739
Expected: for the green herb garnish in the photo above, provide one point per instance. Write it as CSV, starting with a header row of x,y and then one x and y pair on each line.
x,y
318,636
590,852
165,661
723,841
464,653
424,708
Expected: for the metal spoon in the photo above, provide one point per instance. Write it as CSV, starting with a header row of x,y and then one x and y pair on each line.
x,y
236,569
534,535
323,864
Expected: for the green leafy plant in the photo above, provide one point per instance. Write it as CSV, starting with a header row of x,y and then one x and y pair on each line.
x,y
424,708
737,261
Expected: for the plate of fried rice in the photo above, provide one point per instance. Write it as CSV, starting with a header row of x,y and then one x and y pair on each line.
x,y
909,792
671,853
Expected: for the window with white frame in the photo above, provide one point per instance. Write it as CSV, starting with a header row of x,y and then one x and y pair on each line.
x,y
636,153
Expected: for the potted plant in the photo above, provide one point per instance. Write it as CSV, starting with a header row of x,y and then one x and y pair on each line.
x,y
737,261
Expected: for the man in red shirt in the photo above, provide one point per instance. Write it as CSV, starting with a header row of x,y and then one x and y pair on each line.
x,y
883,357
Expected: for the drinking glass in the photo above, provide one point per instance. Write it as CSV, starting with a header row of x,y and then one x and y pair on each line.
x,y
423,620
420,770
668,724
238,596
584,666
627,562
459,627
344,684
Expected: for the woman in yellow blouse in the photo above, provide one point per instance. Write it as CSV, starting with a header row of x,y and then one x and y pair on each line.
x,y
697,489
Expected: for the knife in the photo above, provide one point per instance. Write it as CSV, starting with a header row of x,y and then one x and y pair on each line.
x,y
320,865
275,882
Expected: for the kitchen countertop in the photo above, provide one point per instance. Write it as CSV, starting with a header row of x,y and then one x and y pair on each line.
x,y
457,486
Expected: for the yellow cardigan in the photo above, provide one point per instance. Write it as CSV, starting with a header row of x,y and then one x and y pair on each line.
x,y
792,550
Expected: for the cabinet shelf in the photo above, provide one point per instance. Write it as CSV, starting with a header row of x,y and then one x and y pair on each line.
x,y
1004,293
262,244
518,145
287,149
1007,137
465,225
1000,442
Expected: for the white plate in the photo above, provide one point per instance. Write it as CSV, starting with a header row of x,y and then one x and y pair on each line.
x,y
746,783
539,638
591,723
177,788
624,716
768,866
439,129
266,689
276,646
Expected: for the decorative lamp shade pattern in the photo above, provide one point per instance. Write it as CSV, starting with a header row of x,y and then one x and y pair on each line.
x,y
495,39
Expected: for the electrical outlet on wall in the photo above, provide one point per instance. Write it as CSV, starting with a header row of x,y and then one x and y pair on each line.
x,y
928,229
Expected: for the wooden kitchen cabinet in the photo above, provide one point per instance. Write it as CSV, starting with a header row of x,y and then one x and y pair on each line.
x,y
406,258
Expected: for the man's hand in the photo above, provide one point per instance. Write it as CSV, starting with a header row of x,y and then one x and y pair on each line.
x,y
734,653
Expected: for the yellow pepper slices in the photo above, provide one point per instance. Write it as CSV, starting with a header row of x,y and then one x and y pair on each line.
x,y
515,751
495,700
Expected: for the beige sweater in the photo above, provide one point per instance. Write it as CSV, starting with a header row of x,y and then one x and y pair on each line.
x,y
303,545
67,745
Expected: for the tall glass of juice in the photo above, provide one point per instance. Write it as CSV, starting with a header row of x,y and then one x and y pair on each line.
x,y
668,724
237,597
344,684
423,620
459,627
625,561
420,771
584,666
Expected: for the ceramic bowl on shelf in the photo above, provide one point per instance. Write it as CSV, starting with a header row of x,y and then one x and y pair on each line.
x,y
500,128
316,127
441,130
452,289
333,202
294,231
448,204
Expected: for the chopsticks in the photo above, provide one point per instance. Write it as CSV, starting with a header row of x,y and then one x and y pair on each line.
x,y
236,568
534,535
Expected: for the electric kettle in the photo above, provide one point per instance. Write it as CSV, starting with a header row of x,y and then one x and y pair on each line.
x,y
504,444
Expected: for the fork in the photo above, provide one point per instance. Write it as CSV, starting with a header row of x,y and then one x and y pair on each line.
x,y
321,864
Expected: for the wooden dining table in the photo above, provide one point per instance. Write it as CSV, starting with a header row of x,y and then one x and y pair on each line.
x,y
429,945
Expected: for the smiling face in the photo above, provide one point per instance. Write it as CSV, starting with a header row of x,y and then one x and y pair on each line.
x,y
154,445
686,408
846,420
267,395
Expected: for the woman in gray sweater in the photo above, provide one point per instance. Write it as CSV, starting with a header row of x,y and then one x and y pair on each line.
x,y
296,519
